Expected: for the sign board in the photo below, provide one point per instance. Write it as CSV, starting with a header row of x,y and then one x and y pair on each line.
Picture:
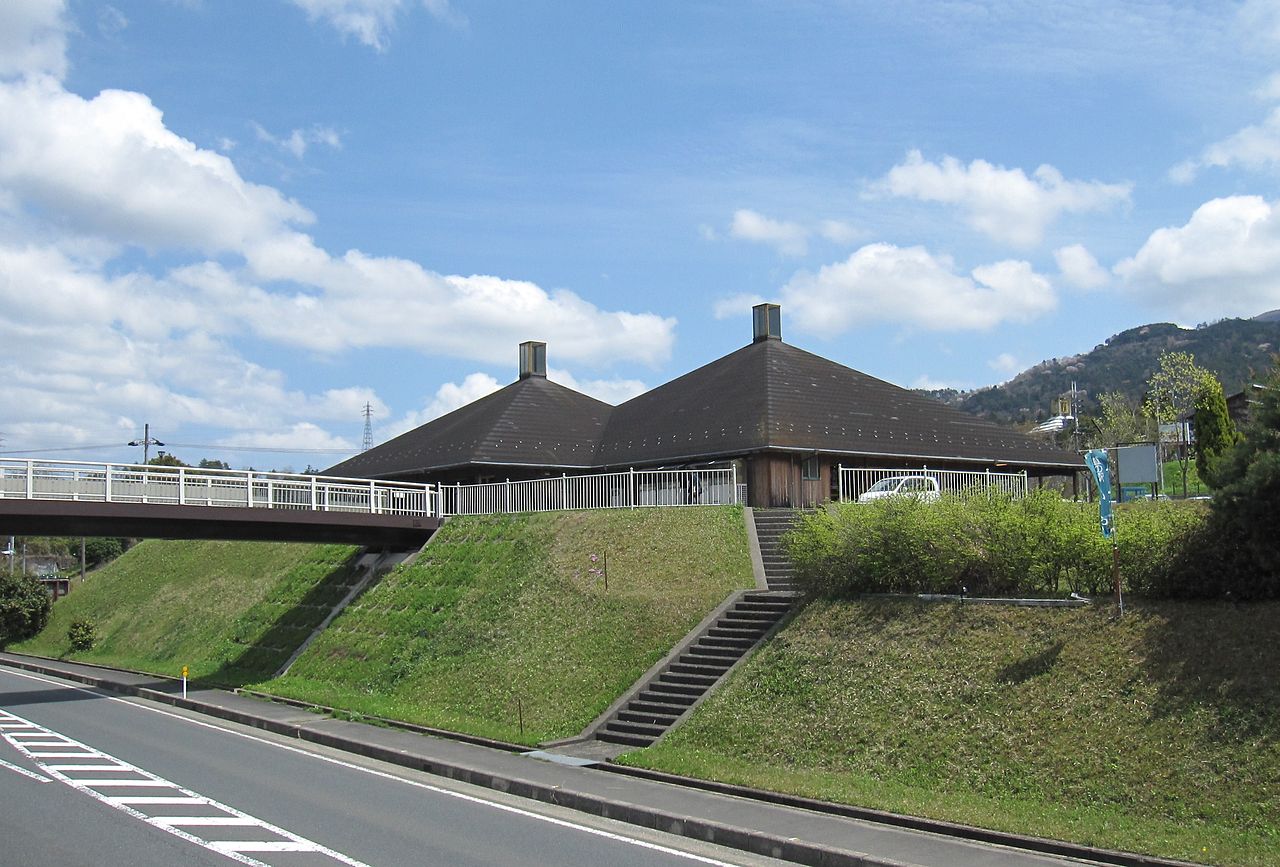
x,y
1135,464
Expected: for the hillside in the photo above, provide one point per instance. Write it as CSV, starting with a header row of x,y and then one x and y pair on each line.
x,y
1157,732
231,611
1236,350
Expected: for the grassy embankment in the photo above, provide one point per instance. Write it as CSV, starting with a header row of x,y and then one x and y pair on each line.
x,y
1158,732
231,611
503,623
503,616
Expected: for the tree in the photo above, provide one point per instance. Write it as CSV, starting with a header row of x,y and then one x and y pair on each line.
x,y
1215,432
208,464
1172,392
1119,420
164,459
1245,517
24,608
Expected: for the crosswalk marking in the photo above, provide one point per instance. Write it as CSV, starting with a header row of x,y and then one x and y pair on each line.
x,y
36,743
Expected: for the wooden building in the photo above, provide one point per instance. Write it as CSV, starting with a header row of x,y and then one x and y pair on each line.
x,y
785,416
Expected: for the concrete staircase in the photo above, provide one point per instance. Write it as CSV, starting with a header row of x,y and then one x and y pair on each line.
x,y
771,524
672,693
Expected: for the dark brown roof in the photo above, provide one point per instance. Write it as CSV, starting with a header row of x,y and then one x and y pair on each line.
x,y
531,421
771,395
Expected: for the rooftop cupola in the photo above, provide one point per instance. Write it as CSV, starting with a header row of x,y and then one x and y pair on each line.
x,y
766,322
533,359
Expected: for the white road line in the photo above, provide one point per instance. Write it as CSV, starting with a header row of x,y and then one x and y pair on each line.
x,y
236,850
21,770
106,768
212,821
506,808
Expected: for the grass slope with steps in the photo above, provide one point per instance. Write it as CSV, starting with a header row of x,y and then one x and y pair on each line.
x,y
504,627
1157,732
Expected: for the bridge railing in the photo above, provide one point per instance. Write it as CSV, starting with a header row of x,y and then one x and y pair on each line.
x,y
192,486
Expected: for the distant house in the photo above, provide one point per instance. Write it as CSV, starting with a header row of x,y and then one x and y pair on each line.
x,y
1240,405
785,417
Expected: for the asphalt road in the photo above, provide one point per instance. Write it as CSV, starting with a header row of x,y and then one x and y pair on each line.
x,y
92,779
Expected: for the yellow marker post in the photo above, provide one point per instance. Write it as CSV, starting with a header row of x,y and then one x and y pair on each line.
x,y
184,682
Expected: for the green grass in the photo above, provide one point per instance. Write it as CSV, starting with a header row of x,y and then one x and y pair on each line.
x,y
230,611
503,621
1158,732
1172,486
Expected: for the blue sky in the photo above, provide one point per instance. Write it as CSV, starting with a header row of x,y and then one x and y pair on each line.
x,y
240,222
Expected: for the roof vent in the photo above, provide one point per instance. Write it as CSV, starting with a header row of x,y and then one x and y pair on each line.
x,y
766,322
533,359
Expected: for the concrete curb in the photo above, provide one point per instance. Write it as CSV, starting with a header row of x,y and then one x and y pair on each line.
x,y
744,839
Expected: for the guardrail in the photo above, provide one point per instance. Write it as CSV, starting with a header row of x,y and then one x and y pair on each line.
x,y
624,490
192,486
855,481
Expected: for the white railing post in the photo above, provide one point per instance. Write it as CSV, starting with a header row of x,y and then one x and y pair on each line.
x,y
840,482
31,479
106,494
733,481
373,495
507,490
313,493
182,486
988,483
248,480
631,486
564,490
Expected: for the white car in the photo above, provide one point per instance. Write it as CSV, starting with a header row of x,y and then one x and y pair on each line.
x,y
923,488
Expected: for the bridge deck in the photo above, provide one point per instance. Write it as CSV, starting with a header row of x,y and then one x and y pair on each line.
x,y
22,517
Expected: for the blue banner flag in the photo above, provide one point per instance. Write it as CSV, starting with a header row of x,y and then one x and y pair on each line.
x,y
1099,463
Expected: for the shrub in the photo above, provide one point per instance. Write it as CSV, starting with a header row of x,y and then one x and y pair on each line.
x,y
24,608
101,550
997,546
82,634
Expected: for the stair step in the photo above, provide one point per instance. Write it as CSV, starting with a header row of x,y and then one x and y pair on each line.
x,y
628,740
718,641
739,615
771,605
718,662
655,707
632,728
651,696
736,632
673,689
712,650
702,680
653,719
712,672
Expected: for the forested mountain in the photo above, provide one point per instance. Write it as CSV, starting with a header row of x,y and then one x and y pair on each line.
x,y
1236,350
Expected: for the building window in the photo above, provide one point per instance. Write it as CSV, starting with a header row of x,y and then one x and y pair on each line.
x,y
811,470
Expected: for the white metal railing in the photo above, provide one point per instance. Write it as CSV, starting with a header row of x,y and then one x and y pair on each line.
x,y
854,481
22,478
625,490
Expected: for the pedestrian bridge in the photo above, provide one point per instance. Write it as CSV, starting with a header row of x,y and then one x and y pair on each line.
x,y
72,498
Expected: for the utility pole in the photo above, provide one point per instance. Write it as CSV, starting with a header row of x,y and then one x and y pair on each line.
x,y
146,442
368,427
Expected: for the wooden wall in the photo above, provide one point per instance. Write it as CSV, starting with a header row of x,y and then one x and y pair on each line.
x,y
775,481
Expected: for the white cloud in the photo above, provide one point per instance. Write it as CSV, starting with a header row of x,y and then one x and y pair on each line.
x,y
297,141
448,397
925,382
371,21
789,239
736,305
885,283
302,436
33,38
613,391
1254,147
1001,203
1225,261
109,167
1005,364
1079,268
840,232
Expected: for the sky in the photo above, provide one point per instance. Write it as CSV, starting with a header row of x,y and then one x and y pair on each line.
x,y
241,223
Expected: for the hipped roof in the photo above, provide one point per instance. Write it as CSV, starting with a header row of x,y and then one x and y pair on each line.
x,y
767,395
532,421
